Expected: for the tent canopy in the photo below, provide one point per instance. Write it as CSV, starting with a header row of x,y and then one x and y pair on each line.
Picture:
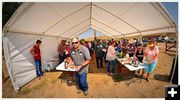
x,y
52,22
71,19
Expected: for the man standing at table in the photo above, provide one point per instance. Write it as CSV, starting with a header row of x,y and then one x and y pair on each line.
x,y
81,58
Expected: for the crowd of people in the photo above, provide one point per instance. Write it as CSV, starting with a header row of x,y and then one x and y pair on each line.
x,y
81,52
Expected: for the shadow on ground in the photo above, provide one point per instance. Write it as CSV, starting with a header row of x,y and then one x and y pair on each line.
x,y
164,78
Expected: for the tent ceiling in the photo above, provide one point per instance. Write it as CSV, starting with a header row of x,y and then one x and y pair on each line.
x,y
71,19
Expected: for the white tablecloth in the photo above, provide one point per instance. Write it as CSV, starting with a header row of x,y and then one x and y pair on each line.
x,y
130,67
61,67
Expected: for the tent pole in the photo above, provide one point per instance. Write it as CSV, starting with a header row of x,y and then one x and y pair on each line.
x,y
95,35
155,29
90,13
176,62
3,77
28,33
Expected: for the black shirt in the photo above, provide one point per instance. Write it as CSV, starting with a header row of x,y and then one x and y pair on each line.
x,y
139,55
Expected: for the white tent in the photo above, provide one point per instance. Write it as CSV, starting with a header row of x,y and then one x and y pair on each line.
x,y
52,22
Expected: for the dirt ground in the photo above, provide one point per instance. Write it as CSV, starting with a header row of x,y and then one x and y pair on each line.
x,y
100,84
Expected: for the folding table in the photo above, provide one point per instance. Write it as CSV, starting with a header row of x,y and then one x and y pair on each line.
x,y
61,67
132,68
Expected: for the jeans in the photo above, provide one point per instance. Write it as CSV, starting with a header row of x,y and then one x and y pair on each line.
x,y
38,68
99,62
81,80
109,63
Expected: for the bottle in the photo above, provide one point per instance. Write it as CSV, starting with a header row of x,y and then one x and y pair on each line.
x,y
65,65
136,63
127,55
121,54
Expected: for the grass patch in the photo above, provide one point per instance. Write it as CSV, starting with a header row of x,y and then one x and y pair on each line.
x,y
54,81
42,83
24,91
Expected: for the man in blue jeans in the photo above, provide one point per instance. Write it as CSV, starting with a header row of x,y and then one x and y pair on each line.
x,y
35,51
81,58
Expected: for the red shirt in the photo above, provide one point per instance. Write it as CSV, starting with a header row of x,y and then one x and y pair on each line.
x,y
37,53
68,50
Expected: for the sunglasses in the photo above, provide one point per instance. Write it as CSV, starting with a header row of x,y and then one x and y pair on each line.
x,y
74,42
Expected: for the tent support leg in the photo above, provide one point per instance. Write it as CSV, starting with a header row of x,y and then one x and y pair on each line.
x,y
3,77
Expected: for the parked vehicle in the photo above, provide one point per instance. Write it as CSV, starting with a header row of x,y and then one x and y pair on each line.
x,y
172,40
161,39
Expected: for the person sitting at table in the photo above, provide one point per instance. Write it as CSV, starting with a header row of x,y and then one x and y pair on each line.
x,y
150,58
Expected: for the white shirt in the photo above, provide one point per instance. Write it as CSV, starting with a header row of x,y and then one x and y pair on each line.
x,y
111,53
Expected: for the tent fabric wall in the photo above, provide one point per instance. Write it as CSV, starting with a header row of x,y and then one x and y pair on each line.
x,y
8,61
54,21
49,50
21,69
21,66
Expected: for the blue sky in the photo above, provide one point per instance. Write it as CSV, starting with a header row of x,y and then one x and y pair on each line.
x,y
171,7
